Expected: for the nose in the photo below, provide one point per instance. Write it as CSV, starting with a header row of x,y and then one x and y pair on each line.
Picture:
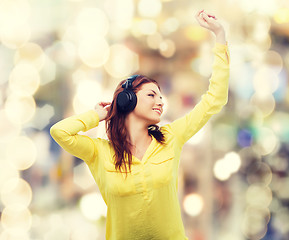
x,y
160,103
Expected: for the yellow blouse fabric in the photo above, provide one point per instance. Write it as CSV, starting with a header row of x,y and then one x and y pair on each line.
x,y
145,205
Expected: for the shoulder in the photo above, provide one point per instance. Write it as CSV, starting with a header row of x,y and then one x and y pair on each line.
x,y
102,143
166,129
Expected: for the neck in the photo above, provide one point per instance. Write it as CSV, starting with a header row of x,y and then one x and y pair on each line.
x,y
137,131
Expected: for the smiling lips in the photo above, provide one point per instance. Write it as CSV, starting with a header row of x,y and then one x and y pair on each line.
x,y
157,110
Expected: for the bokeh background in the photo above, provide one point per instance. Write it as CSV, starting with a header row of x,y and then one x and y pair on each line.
x,y
60,57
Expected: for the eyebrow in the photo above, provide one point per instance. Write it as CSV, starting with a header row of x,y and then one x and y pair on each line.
x,y
155,93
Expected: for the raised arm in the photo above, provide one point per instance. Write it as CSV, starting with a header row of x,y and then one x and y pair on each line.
x,y
65,133
216,96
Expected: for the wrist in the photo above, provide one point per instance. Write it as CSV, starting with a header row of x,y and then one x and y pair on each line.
x,y
220,36
101,117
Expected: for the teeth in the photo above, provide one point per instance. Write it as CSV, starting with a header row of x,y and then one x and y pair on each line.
x,y
158,111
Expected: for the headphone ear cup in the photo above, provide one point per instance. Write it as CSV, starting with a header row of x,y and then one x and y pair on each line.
x,y
126,101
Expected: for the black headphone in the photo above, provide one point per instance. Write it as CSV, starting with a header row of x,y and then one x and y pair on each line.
x,y
126,100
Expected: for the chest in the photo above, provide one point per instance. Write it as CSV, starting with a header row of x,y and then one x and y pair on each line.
x,y
156,170
139,153
140,150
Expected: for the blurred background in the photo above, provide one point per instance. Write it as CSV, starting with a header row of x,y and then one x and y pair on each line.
x,y
59,58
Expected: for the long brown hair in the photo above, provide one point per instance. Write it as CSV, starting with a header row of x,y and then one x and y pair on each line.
x,y
116,129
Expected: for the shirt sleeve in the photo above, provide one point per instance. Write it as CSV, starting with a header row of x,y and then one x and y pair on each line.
x,y
211,102
65,133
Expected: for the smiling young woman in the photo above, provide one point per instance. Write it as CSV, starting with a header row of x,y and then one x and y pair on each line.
x,y
135,128
136,169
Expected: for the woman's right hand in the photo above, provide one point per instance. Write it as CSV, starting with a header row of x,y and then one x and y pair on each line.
x,y
102,109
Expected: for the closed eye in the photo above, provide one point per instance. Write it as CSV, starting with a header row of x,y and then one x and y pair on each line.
x,y
151,95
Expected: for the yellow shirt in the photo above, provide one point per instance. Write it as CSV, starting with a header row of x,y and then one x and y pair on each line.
x,y
145,206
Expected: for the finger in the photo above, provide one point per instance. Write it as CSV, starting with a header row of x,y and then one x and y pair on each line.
x,y
102,104
105,103
202,19
202,22
210,15
106,107
206,18
200,16
200,12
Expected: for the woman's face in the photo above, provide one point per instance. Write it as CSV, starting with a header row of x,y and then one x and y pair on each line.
x,y
149,103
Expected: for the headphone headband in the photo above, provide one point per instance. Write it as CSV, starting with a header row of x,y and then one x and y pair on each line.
x,y
128,82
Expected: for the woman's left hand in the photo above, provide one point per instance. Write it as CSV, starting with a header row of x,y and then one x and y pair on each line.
x,y
209,21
